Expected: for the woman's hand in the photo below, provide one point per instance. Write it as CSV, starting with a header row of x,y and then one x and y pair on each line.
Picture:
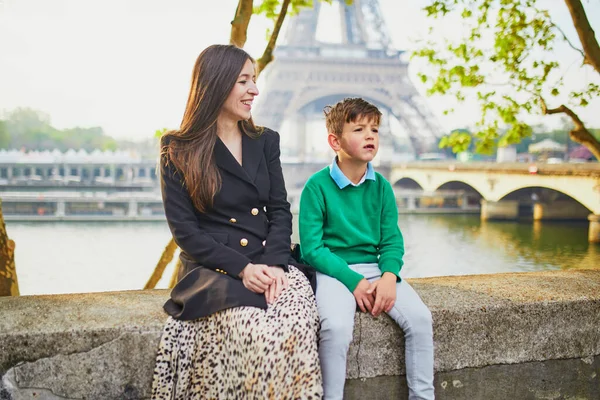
x,y
279,284
257,277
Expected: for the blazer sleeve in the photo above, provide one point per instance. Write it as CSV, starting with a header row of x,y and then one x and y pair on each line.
x,y
194,240
277,248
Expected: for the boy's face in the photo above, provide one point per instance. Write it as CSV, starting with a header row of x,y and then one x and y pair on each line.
x,y
359,140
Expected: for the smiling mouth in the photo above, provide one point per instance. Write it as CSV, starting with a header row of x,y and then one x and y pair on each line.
x,y
247,103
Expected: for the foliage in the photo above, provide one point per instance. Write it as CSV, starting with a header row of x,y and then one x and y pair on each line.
x,y
160,132
4,135
272,8
31,130
506,63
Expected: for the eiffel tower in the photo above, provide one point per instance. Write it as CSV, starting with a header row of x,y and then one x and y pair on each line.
x,y
308,74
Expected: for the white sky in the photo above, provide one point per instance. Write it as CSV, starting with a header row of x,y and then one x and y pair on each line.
x,y
125,65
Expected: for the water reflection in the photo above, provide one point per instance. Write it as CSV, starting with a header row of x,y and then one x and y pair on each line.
x,y
67,257
450,245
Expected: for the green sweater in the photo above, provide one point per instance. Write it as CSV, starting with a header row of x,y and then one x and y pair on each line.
x,y
357,224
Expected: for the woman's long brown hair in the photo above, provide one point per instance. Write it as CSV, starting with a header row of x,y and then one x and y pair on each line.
x,y
190,148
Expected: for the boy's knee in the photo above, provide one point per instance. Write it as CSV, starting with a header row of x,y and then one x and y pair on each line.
x,y
419,319
341,329
422,320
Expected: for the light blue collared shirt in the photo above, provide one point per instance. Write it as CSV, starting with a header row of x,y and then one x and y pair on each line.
x,y
342,181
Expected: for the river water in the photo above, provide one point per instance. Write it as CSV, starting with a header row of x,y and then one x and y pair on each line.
x,y
73,257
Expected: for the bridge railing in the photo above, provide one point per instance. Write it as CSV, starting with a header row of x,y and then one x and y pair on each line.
x,y
591,168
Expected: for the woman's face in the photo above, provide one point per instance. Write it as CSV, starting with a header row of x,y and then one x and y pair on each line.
x,y
238,105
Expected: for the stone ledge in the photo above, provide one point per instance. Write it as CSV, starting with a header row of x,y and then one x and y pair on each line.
x,y
102,345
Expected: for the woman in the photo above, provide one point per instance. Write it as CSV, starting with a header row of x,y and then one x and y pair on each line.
x,y
243,321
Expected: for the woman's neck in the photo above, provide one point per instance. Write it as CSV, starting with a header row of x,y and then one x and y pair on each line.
x,y
227,129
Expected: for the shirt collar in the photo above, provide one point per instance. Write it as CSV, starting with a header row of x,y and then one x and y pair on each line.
x,y
342,181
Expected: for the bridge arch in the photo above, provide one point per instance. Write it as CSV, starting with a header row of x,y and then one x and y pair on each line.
x,y
459,185
541,196
408,183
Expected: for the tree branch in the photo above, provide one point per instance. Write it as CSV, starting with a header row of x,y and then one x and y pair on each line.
x,y
579,133
239,25
586,34
165,259
267,56
568,41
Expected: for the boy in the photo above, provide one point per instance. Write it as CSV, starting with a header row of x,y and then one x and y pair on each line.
x,y
349,234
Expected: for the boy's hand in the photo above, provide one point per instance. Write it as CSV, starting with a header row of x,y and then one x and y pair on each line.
x,y
385,293
363,295
279,284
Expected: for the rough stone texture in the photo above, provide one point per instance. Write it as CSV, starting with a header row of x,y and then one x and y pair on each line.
x,y
82,346
572,379
493,334
34,327
128,358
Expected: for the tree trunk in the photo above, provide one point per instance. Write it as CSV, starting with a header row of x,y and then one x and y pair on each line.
x,y
584,137
165,259
239,25
580,133
586,34
175,273
9,285
267,56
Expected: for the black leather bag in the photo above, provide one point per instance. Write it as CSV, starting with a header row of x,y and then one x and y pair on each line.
x,y
307,270
203,291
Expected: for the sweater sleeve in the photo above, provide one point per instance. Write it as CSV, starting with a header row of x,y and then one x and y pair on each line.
x,y
311,221
391,247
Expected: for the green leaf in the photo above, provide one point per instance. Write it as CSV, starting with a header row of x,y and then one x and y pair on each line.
x,y
159,132
508,44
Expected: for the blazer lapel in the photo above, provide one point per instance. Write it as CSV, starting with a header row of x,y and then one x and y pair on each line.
x,y
252,155
225,160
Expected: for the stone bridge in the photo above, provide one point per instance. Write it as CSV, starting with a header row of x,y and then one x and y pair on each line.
x,y
498,183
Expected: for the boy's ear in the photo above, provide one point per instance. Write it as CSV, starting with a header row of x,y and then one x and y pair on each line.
x,y
334,142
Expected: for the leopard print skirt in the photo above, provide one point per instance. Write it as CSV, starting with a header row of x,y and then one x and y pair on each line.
x,y
244,352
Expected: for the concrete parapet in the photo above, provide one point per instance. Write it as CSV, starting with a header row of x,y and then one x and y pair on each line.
x,y
519,335
504,209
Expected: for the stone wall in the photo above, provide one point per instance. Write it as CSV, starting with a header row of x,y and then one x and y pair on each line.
x,y
520,335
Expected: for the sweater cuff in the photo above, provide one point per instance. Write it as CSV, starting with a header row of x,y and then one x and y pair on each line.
x,y
393,267
350,279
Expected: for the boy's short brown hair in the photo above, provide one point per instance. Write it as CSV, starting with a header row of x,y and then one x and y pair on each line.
x,y
349,110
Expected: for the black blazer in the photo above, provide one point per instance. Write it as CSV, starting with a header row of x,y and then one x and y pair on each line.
x,y
250,222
